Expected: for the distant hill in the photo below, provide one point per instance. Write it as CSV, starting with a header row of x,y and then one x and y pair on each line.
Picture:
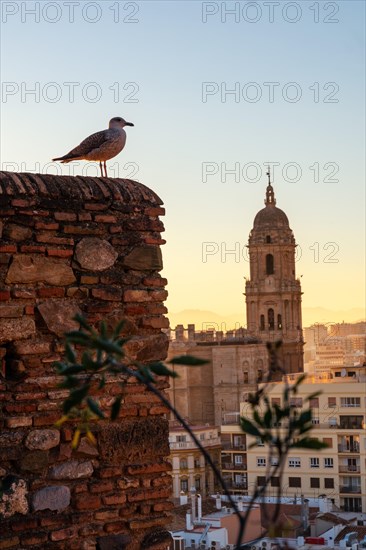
x,y
203,319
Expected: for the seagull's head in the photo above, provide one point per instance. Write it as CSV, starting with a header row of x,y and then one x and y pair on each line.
x,y
118,122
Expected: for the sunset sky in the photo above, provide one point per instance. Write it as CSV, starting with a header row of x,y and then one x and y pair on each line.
x,y
207,90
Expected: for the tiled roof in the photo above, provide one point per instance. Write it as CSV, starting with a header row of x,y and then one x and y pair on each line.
x,y
361,532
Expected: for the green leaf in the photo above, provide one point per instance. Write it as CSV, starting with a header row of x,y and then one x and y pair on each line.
x,y
118,328
82,322
309,443
75,398
101,383
249,428
116,407
188,360
108,346
162,370
70,353
267,419
300,380
94,407
73,369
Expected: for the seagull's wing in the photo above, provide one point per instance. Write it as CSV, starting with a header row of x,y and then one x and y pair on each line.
x,y
94,141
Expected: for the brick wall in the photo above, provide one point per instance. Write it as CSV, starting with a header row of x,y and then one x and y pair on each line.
x,y
89,245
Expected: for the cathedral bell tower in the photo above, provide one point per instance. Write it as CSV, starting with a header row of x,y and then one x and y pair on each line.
x,y
273,294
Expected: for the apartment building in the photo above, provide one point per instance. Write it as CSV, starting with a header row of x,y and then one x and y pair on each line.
x,y
189,467
339,418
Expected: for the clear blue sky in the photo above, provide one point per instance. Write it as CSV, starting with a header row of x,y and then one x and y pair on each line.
x,y
162,59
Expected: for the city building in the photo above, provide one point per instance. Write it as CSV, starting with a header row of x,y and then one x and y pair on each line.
x,y
189,467
339,418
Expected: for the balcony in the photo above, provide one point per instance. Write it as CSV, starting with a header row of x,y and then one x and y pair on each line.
x,y
351,448
214,442
349,469
236,486
351,489
228,446
232,466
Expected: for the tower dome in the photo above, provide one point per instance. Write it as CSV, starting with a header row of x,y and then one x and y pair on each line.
x,y
270,215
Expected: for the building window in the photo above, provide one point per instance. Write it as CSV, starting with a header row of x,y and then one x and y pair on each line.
x,y
276,401
332,401
202,437
260,376
259,442
181,438
279,321
314,403
183,464
269,264
294,481
262,322
261,461
328,483
314,462
238,459
328,441
261,481
184,485
275,481
274,461
197,483
328,463
294,463
268,239
296,402
271,319
350,402
315,483
246,377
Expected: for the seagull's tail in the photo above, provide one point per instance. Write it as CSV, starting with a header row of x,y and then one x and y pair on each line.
x,y
65,158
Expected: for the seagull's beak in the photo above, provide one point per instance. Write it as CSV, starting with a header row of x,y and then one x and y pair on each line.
x,y
129,124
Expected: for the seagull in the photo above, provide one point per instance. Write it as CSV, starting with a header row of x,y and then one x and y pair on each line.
x,y
100,146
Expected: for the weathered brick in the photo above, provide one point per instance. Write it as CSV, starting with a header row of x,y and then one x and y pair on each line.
x,y
46,419
106,515
89,280
24,294
25,524
65,216
8,248
87,501
55,292
36,539
63,534
4,295
101,487
101,218
109,294
60,252
33,249
49,225
18,421
47,237
114,499
9,543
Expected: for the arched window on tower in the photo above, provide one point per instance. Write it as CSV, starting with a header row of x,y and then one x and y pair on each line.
x,y
262,322
269,264
279,321
271,319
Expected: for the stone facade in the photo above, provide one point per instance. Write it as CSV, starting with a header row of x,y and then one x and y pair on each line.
x,y
87,245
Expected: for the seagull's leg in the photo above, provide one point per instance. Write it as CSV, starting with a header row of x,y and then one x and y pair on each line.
x,y
105,169
101,168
